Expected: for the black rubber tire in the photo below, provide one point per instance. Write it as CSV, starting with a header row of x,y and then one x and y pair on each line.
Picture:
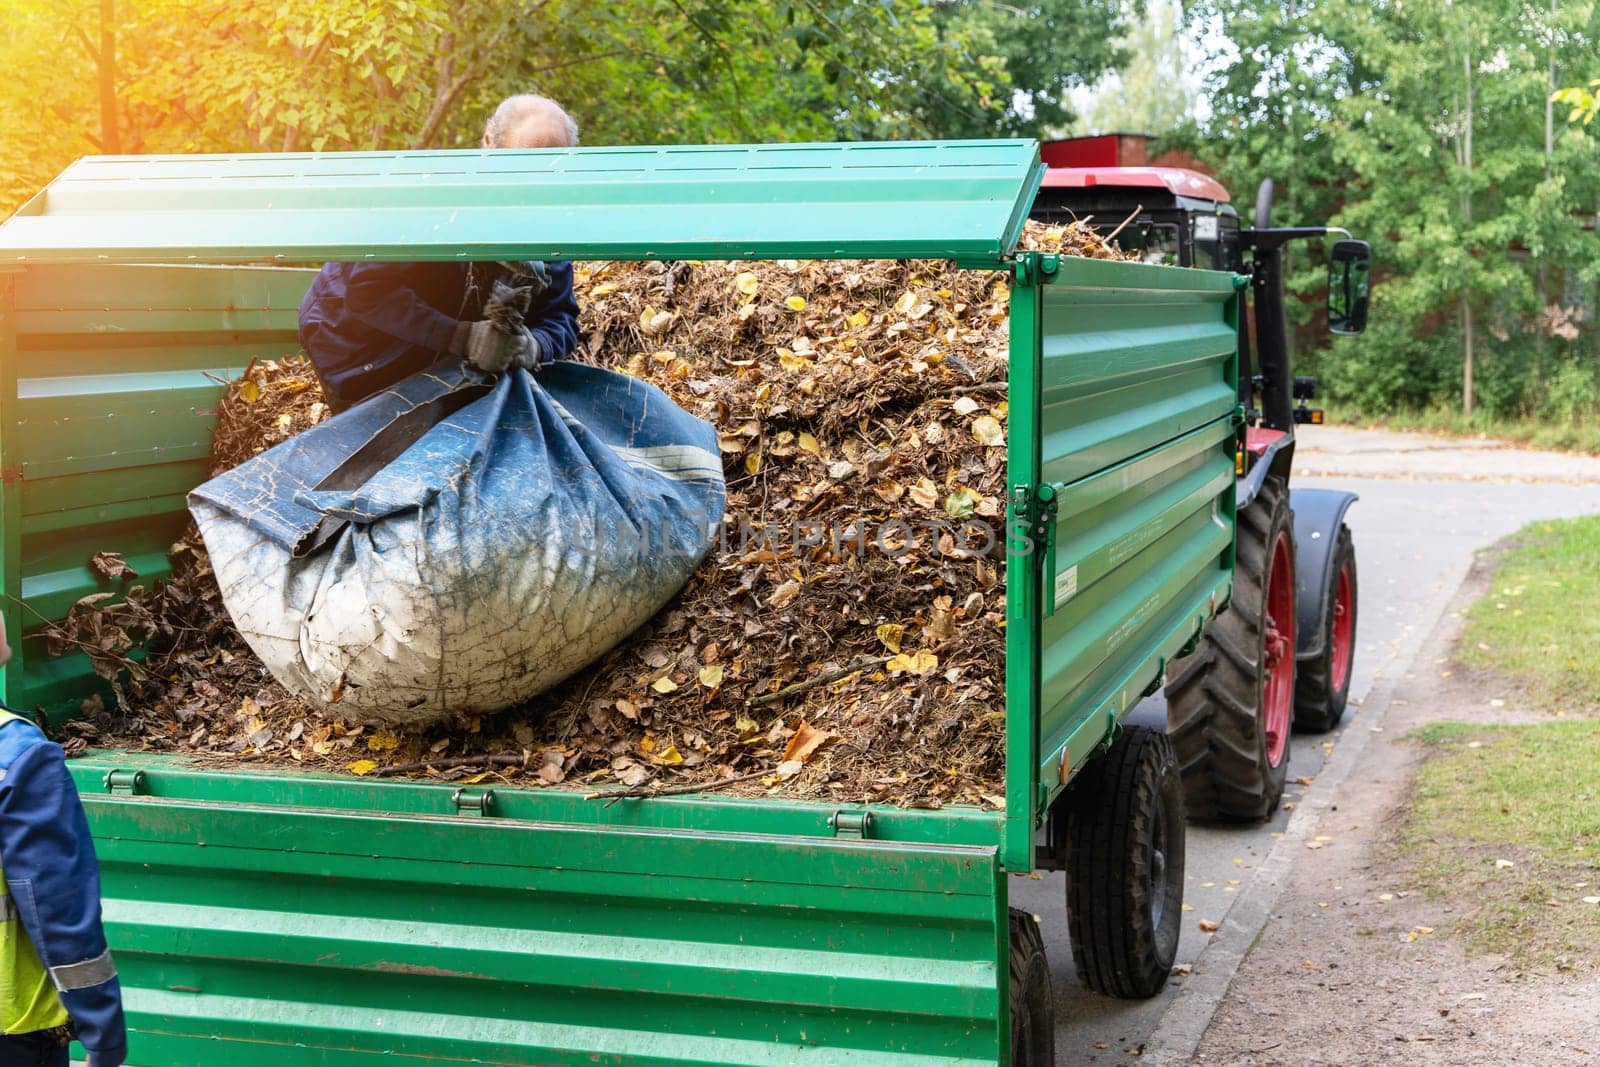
x,y
1124,902
1318,707
1215,695
1033,1002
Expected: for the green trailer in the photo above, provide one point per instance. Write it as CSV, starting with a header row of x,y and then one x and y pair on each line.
x,y
278,918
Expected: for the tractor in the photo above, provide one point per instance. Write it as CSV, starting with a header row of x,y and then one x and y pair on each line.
x,y
1279,657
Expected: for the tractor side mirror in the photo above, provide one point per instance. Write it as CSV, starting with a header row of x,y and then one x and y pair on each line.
x,y
1349,283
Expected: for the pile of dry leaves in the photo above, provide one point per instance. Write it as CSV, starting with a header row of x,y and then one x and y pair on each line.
x,y
846,639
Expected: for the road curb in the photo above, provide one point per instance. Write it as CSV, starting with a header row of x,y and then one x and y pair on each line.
x,y
1185,1021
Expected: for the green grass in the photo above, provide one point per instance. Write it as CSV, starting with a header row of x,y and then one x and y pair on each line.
x,y
1539,624
1581,436
1524,795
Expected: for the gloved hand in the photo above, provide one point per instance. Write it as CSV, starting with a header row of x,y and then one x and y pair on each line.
x,y
526,273
493,347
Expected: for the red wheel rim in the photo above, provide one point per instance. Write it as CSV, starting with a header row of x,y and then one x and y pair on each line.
x,y
1344,633
1277,684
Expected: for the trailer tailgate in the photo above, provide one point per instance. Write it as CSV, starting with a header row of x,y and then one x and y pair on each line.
x,y
260,933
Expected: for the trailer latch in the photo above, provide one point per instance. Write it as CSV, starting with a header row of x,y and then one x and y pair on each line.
x,y
125,783
473,802
851,823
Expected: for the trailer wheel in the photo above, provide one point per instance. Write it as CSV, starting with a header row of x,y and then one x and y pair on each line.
x,y
1125,848
1033,1003
1230,703
1322,683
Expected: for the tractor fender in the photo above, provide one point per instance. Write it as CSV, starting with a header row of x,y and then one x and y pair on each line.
x,y
1317,515
1274,452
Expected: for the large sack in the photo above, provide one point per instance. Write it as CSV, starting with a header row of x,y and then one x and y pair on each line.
x,y
453,547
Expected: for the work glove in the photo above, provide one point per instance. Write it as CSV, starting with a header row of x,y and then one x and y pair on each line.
x,y
500,340
526,273
491,347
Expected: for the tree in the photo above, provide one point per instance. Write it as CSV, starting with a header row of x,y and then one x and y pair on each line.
x,y
220,76
1155,88
1420,126
1024,59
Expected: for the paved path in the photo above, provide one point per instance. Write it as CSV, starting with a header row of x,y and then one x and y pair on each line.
x,y
1427,504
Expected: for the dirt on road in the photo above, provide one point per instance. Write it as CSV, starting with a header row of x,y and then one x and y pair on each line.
x,y
1356,964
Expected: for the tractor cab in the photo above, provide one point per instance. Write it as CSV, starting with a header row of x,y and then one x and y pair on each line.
x,y
1167,214
1180,217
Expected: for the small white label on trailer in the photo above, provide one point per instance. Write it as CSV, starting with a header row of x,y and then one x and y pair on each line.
x,y
1066,585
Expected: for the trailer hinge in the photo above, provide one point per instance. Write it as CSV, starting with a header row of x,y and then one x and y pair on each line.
x,y
1034,512
856,824
125,783
473,802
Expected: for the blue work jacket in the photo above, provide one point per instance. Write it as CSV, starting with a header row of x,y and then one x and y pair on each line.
x,y
53,878
368,325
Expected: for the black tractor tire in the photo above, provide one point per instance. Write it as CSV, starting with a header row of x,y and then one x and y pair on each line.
x,y
1033,1002
1216,697
1322,683
1125,848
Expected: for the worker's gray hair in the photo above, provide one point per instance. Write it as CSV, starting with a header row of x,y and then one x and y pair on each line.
x,y
513,109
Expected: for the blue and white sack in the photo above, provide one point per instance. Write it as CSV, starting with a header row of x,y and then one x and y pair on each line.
x,y
454,546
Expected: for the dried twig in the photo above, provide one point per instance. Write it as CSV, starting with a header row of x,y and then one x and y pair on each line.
x,y
645,791
1112,236
820,680
445,764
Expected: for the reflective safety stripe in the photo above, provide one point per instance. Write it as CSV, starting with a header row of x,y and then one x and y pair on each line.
x,y
85,974
8,909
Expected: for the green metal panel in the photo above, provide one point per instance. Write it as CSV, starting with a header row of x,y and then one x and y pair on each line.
x,y
962,200
255,929
109,377
1123,387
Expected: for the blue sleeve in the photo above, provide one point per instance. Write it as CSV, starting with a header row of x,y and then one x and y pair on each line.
x,y
553,317
384,297
51,871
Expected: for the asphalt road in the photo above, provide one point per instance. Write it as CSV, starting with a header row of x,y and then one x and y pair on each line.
x,y
1427,505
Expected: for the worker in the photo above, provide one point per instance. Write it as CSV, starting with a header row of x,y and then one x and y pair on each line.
x,y
366,326
56,973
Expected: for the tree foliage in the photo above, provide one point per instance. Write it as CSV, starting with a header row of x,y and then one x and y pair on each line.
x,y
1154,89
271,75
1031,55
1422,127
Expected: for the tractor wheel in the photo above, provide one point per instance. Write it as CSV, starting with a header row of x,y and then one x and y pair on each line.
x,y
1230,703
1125,837
1033,1004
1322,684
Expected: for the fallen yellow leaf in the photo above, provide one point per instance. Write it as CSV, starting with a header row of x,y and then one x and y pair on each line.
x,y
664,684
711,676
805,743
250,392
891,634
988,430
795,303
858,319
747,283
382,742
752,463
808,443
919,662
363,766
